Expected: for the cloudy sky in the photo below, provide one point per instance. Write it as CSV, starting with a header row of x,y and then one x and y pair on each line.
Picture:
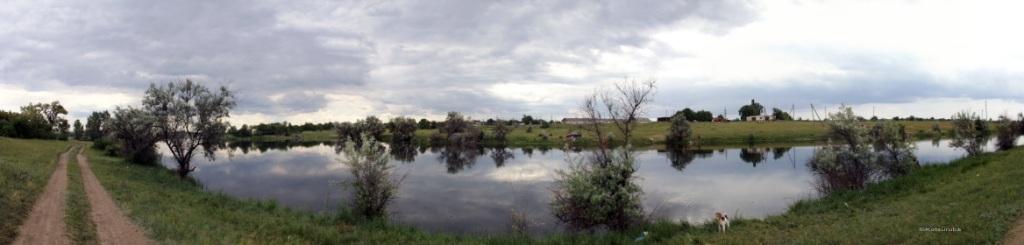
x,y
339,60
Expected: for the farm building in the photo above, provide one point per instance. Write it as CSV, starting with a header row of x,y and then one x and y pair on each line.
x,y
760,118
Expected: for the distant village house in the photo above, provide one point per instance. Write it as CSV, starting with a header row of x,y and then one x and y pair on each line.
x,y
760,118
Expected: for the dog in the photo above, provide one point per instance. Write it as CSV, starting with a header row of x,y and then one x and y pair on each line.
x,y
723,221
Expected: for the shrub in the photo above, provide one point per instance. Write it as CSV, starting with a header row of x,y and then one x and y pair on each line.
x,y
679,133
599,191
859,155
1007,132
373,183
501,132
459,132
894,150
968,133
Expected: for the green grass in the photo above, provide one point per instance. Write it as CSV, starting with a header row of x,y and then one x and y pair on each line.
x,y
709,134
25,167
982,196
80,227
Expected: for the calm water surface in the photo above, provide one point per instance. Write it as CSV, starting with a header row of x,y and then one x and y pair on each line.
x,y
477,192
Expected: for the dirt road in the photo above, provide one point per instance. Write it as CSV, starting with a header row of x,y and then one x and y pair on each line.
x,y
45,224
112,226
1016,233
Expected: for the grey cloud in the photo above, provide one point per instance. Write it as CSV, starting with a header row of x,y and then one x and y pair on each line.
x,y
454,50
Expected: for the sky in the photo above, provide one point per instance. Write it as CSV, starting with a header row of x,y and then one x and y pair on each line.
x,y
321,61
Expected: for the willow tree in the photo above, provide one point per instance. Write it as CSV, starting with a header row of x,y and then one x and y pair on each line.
x,y
188,115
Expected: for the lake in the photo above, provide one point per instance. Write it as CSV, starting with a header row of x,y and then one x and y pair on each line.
x,y
477,192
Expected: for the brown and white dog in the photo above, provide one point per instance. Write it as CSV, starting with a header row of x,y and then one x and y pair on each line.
x,y
723,221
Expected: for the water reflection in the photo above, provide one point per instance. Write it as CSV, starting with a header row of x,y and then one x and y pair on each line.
x,y
459,158
403,152
682,157
500,155
457,191
752,155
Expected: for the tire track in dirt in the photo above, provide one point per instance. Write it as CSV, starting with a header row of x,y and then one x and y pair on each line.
x,y
112,226
45,224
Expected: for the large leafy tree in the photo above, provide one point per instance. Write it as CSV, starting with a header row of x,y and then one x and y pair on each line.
x,y
136,134
753,109
188,115
95,127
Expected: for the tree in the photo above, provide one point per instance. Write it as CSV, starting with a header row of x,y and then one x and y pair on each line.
x,y
94,125
245,131
687,113
423,124
703,116
348,132
781,115
967,134
753,109
458,131
528,120
1007,132
79,131
134,130
233,131
372,126
188,115
53,113
29,123
679,133
628,101
62,130
403,130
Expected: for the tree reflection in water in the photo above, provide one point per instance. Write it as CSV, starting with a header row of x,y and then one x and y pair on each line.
x,y
752,155
459,158
680,158
500,155
779,152
403,152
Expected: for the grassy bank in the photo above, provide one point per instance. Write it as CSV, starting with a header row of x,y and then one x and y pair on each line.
x,y
706,133
25,167
980,196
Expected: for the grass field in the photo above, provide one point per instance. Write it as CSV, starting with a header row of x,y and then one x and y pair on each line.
x,y
25,167
705,133
980,196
